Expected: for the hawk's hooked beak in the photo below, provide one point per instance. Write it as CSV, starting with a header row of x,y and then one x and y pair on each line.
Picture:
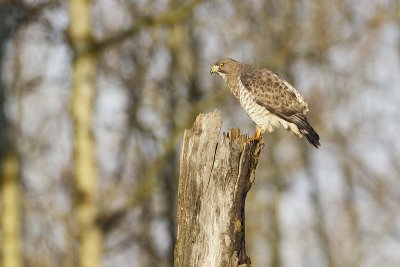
x,y
214,69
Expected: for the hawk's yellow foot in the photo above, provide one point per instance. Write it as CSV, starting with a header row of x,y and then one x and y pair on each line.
x,y
257,137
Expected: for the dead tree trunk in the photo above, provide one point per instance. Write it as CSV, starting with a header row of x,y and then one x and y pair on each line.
x,y
216,172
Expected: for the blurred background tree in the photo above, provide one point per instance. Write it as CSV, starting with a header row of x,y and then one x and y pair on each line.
x,y
337,206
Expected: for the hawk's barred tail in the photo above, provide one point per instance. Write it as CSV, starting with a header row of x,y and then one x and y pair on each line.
x,y
311,135
305,129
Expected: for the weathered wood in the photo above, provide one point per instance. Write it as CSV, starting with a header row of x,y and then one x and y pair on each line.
x,y
216,172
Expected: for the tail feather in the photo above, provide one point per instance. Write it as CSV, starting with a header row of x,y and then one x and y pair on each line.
x,y
311,135
306,130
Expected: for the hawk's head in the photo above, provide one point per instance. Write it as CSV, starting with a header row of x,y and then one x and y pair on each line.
x,y
225,66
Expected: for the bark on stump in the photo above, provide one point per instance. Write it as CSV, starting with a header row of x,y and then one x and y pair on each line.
x,y
216,172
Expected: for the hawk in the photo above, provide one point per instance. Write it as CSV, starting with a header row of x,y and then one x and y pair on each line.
x,y
268,99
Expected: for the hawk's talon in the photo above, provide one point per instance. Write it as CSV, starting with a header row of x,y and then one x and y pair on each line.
x,y
256,137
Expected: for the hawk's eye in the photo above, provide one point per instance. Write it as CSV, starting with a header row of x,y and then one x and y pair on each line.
x,y
221,64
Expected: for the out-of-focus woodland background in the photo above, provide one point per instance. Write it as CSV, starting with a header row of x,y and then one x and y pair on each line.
x,y
149,63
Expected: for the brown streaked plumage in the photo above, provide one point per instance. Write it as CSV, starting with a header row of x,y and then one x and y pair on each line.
x,y
268,99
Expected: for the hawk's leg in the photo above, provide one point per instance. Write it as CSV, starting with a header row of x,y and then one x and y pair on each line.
x,y
257,136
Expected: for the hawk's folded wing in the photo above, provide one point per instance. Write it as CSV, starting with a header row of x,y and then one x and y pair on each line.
x,y
275,94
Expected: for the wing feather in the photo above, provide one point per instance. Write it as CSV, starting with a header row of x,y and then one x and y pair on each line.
x,y
279,98
274,93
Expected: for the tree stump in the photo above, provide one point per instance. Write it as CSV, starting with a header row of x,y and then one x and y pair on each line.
x,y
216,172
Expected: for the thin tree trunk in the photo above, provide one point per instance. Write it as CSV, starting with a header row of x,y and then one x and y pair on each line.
x,y
11,255
10,196
85,171
216,172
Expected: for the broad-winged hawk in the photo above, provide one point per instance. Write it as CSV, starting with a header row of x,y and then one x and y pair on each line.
x,y
268,99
